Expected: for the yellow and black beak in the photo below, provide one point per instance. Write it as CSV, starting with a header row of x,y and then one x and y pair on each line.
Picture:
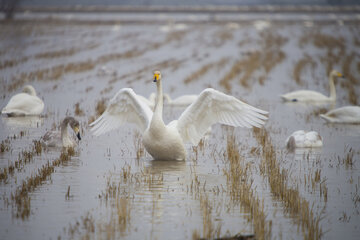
x,y
156,77
77,132
340,75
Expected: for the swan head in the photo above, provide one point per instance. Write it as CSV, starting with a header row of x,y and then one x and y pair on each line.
x,y
74,124
157,76
335,73
29,90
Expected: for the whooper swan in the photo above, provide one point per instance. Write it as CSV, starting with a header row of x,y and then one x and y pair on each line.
x,y
348,114
62,138
166,142
304,139
25,103
312,96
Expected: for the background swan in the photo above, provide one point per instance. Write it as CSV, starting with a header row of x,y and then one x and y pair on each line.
x,y
25,103
304,139
182,101
166,142
348,114
62,138
312,96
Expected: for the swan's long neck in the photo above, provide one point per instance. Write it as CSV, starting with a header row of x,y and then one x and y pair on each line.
x,y
65,138
332,87
157,120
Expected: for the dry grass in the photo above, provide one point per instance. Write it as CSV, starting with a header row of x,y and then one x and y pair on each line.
x,y
257,64
12,63
297,207
351,80
25,157
56,54
299,68
335,47
5,145
204,69
239,186
209,230
348,160
21,196
78,110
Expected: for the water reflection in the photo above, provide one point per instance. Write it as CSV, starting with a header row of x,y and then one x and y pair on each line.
x,y
27,121
300,154
161,167
327,105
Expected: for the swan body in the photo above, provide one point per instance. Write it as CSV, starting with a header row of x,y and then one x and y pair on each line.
x,y
166,142
62,138
313,96
348,114
23,104
303,139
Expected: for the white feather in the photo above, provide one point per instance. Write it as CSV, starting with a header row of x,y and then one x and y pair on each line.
x,y
124,107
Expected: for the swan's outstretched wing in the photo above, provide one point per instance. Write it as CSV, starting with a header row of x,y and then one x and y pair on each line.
x,y
124,107
213,107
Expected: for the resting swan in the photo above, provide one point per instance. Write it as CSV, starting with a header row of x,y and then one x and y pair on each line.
x,y
303,139
166,142
348,114
182,101
25,103
312,96
62,138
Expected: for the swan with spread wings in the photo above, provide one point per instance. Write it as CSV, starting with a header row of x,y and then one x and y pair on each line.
x,y
167,142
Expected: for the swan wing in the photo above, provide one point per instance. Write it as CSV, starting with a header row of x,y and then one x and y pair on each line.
x,y
124,107
213,107
145,100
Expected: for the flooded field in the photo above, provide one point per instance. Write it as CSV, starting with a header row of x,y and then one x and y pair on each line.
x,y
236,183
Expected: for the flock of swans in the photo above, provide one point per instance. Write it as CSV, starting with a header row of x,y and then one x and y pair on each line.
x,y
167,142
347,114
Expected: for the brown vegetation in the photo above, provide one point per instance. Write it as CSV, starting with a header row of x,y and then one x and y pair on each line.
x,y
258,64
239,185
21,196
295,205
299,67
204,69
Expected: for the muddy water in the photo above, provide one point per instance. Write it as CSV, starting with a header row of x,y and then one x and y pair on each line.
x,y
110,188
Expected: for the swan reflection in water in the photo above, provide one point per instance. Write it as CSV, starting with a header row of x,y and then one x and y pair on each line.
x,y
26,121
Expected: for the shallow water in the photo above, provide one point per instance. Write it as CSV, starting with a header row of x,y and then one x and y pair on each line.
x,y
115,194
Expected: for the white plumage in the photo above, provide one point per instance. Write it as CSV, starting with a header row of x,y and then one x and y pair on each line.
x,y
312,96
23,104
181,101
348,114
304,139
166,142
